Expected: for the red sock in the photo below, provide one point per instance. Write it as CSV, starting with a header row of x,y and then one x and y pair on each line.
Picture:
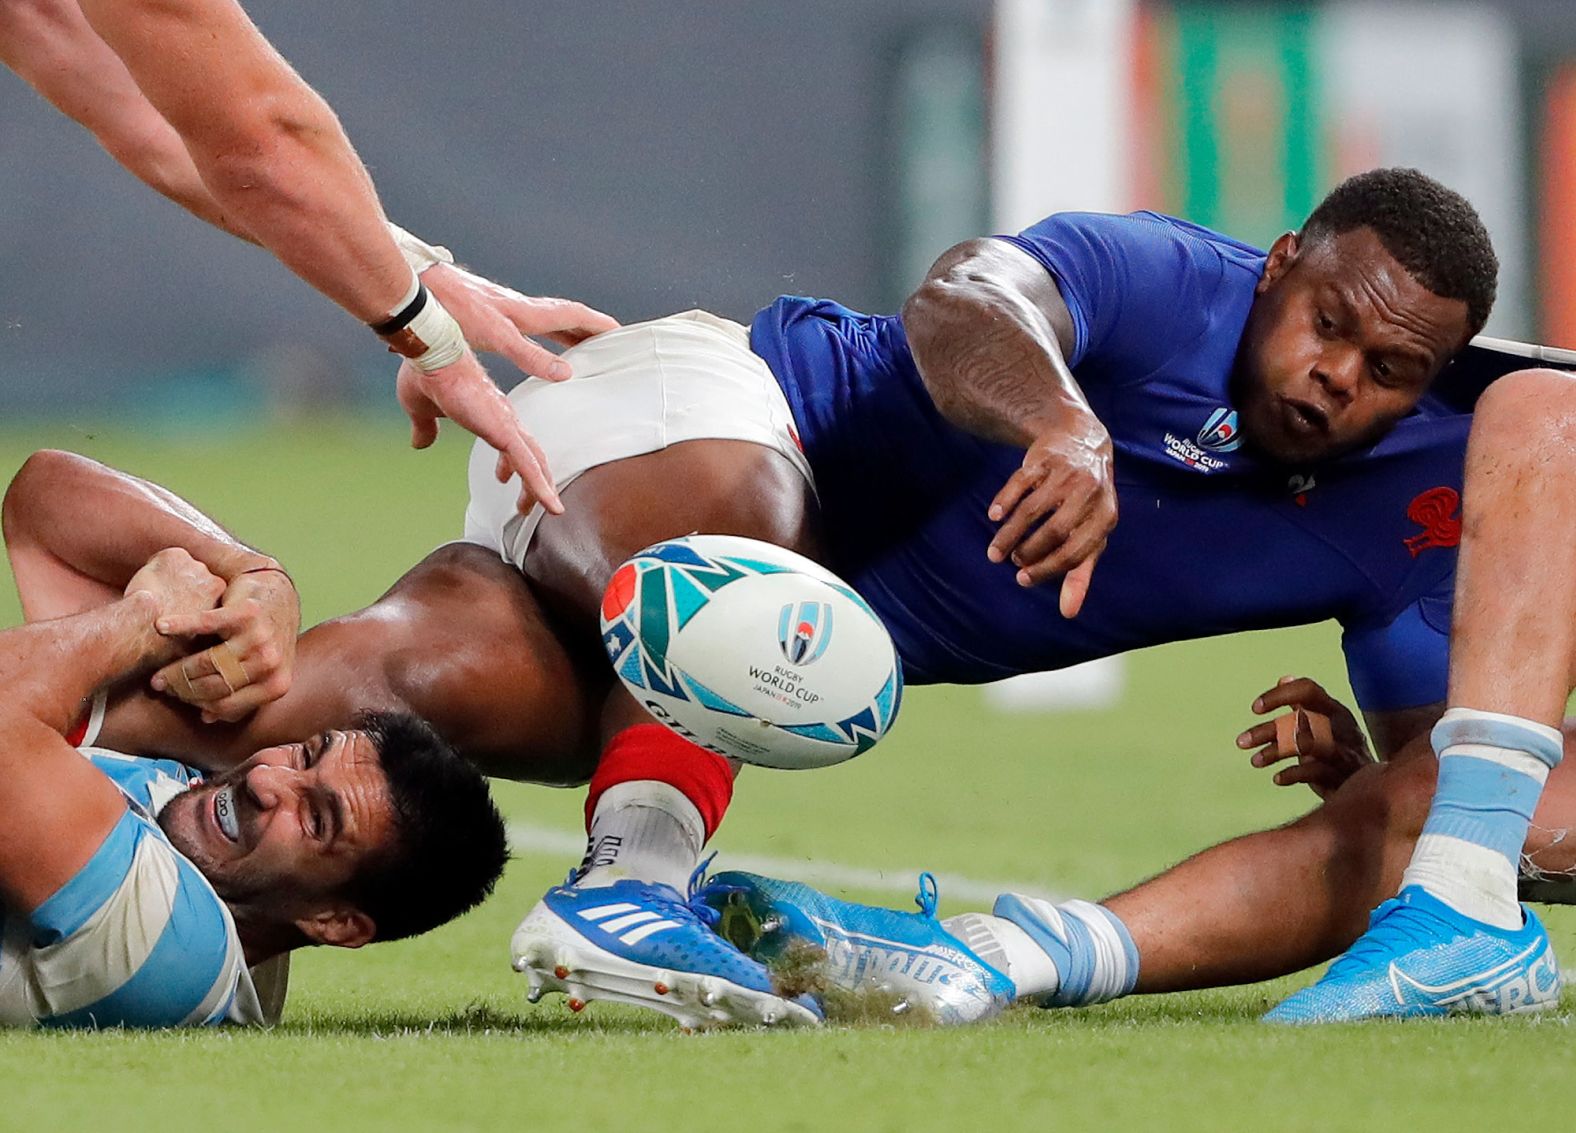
x,y
653,752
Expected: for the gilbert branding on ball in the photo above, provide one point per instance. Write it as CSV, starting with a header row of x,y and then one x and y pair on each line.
x,y
751,651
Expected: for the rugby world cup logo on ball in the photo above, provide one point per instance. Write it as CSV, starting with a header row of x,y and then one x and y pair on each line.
x,y
803,630
730,642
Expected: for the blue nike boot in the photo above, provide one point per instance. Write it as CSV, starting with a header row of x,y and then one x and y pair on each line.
x,y
1421,958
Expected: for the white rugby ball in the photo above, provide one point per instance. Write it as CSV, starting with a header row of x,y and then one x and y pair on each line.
x,y
751,651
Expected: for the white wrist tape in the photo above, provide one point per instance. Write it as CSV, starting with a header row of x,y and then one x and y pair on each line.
x,y
419,254
421,330
442,335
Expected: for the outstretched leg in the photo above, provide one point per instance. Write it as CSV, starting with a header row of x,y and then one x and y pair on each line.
x,y
1260,906
1455,938
624,929
1278,901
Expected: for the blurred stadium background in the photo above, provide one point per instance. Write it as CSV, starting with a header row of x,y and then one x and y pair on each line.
x,y
651,157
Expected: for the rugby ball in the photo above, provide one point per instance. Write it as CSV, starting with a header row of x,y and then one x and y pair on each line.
x,y
751,651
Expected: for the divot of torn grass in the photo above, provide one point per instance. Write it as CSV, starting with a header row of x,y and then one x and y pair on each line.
x,y
800,968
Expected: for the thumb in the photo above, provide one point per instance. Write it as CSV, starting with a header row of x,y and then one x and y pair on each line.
x,y
190,625
423,430
1075,587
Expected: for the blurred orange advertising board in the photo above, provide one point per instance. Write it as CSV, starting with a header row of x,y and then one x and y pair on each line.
x,y
1557,233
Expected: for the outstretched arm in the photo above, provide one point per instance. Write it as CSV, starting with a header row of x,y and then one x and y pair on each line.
x,y
51,45
990,334
195,102
267,147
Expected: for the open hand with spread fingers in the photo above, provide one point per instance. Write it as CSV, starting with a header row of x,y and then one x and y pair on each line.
x,y
465,394
500,320
1319,732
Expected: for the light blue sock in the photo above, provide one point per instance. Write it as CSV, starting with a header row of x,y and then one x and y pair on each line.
x,y
1492,768
1093,953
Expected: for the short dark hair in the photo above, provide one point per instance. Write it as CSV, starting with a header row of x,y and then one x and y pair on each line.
x,y
1433,232
450,844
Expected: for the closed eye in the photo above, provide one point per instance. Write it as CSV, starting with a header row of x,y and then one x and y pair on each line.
x,y
314,748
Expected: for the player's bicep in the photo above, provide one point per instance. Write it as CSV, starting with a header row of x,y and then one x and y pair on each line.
x,y
56,810
34,522
1008,271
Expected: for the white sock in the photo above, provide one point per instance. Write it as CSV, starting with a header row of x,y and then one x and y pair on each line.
x,y
644,830
1008,949
1475,882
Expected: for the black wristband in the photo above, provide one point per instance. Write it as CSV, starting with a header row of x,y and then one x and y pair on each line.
x,y
406,315
261,569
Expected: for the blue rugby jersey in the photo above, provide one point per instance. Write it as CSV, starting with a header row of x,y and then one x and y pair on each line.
x,y
1209,539
138,938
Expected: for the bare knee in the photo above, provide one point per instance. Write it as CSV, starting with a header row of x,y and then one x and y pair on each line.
x,y
1528,406
1368,829
1391,797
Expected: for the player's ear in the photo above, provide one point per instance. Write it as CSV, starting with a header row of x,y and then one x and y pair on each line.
x,y
1282,254
338,926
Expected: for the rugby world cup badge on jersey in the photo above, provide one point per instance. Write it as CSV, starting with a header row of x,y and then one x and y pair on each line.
x,y
752,651
1221,434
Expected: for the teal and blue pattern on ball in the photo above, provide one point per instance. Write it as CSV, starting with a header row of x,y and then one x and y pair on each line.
x,y
659,590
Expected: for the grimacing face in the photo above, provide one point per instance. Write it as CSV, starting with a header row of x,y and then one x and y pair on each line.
x,y
1340,344
282,833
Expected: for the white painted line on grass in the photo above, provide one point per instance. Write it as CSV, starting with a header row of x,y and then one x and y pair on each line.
x,y
528,838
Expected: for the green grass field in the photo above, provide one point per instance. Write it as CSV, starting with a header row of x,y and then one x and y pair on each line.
x,y
436,1033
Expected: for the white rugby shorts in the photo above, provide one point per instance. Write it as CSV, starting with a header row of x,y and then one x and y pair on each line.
x,y
636,390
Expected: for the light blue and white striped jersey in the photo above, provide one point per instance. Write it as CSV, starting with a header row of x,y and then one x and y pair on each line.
x,y
138,938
